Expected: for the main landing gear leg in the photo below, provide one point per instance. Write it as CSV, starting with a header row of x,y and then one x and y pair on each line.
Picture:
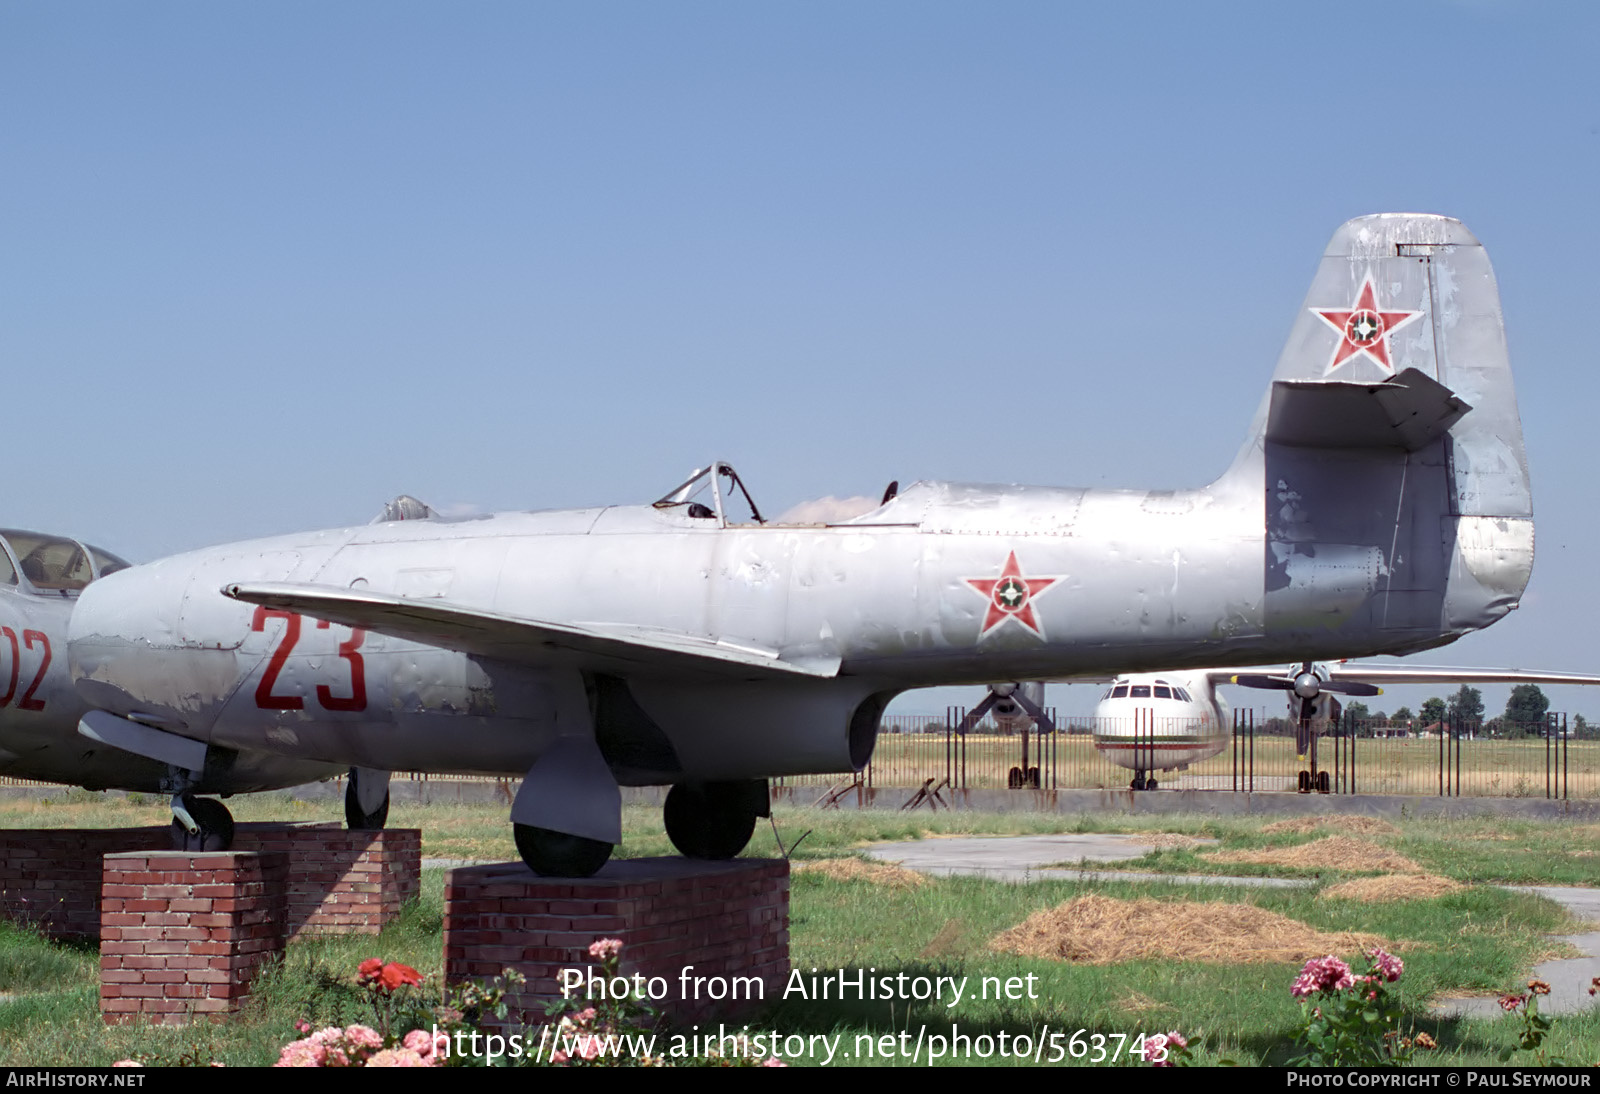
x,y
568,814
714,820
366,800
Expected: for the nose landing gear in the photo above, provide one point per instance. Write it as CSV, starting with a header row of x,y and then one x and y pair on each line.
x,y
200,824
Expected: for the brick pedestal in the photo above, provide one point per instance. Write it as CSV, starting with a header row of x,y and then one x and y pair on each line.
x,y
183,934
726,919
339,882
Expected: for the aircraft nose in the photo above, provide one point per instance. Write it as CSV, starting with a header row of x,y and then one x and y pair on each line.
x,y
128,654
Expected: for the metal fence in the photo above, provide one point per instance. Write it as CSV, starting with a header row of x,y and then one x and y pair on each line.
x,y
1455,758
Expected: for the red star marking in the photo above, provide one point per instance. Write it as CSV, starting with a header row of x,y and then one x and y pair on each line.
x,y
1011,596
1363,328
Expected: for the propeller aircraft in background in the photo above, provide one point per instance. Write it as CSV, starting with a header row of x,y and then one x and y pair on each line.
x,y
1164,721
1380,505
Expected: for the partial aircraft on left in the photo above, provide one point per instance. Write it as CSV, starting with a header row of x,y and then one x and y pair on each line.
x,y
41,576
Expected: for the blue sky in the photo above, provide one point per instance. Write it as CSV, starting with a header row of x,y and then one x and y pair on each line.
x,y
262,267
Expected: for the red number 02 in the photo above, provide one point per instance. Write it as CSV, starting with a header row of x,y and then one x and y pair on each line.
x,y
27,702
348,651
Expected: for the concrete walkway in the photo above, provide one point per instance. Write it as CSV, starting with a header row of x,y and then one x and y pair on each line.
x,y
1569,978
1045,858
1037,858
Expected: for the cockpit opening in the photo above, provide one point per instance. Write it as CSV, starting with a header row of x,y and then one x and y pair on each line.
x,y
720,486
52,564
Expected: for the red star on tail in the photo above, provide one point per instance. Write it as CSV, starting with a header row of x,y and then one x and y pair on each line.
x,y
1011,596
1363,328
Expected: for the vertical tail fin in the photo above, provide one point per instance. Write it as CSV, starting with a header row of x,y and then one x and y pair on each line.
x,y
1389,446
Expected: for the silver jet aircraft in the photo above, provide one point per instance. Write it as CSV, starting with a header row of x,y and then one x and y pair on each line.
x,y
41,578
1379,505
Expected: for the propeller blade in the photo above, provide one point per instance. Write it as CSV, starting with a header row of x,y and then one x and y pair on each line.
x,y
1351,687
1040,718
975,715
1271,683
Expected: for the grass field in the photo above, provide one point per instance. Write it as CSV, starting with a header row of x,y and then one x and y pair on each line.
x,y
1478,939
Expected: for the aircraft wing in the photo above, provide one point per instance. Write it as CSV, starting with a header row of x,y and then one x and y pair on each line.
x,y
604,646
1407,674
1419,674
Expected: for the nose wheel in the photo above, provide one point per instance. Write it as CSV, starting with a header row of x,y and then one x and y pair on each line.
x,y
1143,782
200,824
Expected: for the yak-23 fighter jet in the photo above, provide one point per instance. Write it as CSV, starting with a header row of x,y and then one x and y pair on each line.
x,y
1380,505
41,578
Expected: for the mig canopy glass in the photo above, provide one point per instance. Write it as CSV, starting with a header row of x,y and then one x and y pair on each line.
x,y
52,564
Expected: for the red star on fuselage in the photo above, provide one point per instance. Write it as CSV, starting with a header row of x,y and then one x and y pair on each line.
x,y
1011,596
1363,328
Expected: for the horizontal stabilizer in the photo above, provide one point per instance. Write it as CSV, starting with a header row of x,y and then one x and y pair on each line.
x,y
1405,412
598,646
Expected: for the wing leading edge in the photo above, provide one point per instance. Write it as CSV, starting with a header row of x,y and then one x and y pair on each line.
x,y
600,646
1406,674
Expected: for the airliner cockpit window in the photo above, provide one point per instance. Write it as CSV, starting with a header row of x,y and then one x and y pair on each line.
x,y
1139,691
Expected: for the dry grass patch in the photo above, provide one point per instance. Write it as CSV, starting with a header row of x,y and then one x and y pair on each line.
x,y
1139,1003
1098,930
1175,840
1391,887
1361,826
854,869
1328,853
951,939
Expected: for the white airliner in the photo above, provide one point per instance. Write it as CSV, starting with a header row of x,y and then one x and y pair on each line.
x,y
1149,722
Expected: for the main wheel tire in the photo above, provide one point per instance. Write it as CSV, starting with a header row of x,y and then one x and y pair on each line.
x,y
559,854
707,822
354,818
214,820
1015,779
1033,778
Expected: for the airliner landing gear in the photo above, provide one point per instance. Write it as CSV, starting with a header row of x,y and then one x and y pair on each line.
x,y
1141,782
200,824
366,800
558,854
714,820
